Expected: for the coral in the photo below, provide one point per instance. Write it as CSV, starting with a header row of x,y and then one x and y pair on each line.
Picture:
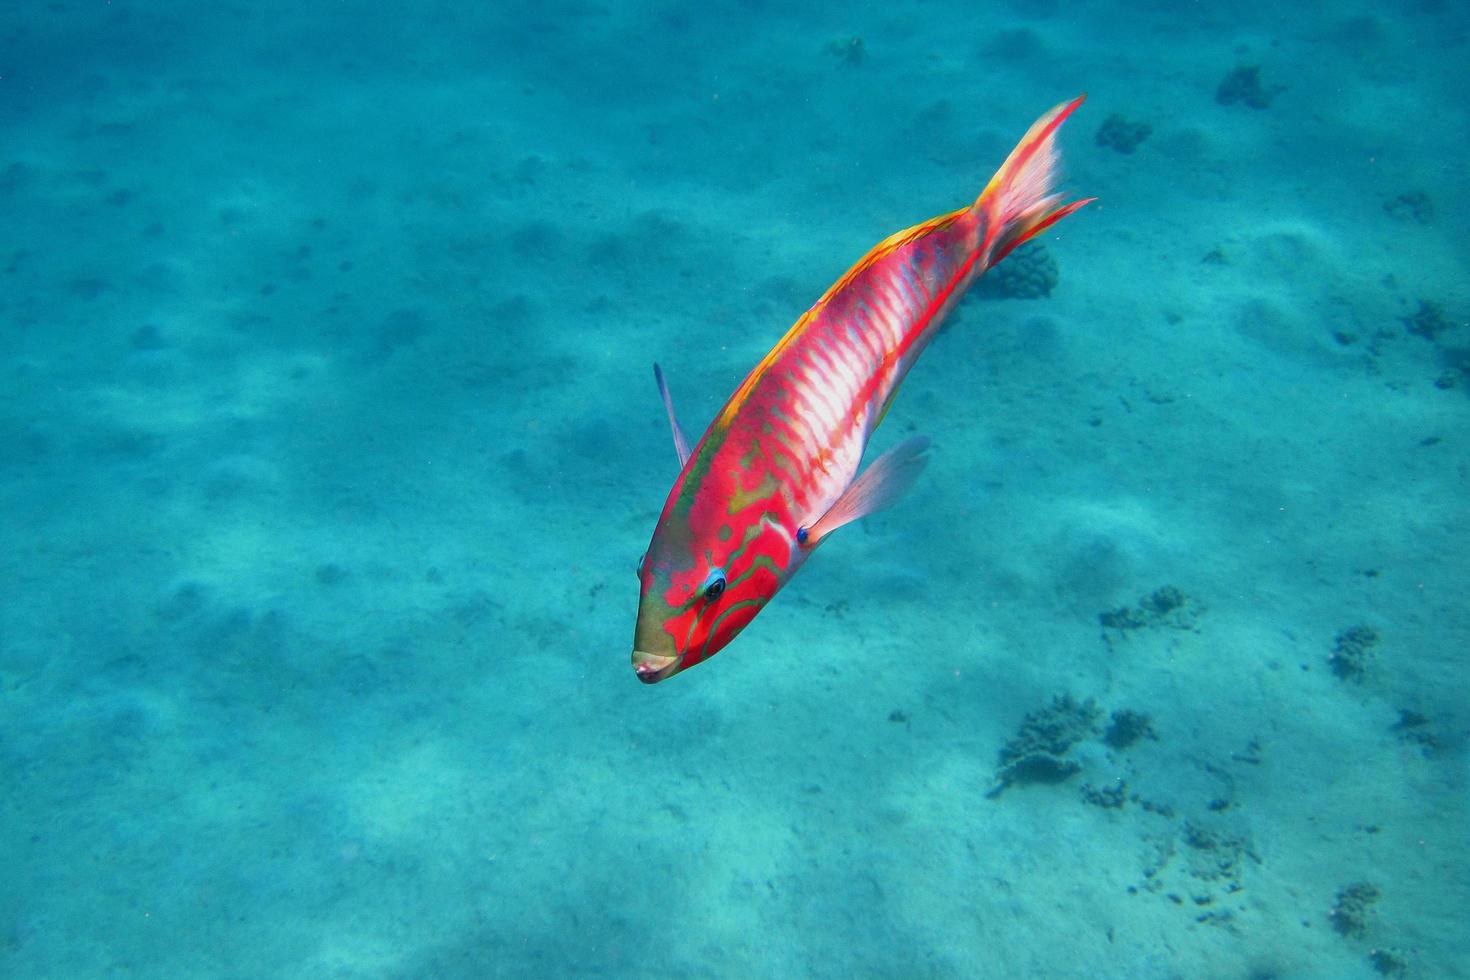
x,y
1153,806
1109,798
1036,754
1122,618
1349,916
1053,729
1388,962
1411,206
1215,855
849,51
1428,321
1127,727
1412,727
1165,606
1352,652
1162,601
1039,767
1027,273
1122,135
1211,872
1244,85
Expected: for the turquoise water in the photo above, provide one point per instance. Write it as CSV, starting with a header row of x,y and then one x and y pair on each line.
x,y
329,444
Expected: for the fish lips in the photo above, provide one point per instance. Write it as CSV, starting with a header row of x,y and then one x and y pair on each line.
x,y
652,667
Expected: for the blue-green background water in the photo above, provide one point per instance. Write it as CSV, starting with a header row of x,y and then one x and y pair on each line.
x,y
328,444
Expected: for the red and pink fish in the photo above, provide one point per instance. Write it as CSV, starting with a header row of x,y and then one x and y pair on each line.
x,y
777,470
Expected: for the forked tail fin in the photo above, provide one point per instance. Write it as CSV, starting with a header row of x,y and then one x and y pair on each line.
x,y
1019,202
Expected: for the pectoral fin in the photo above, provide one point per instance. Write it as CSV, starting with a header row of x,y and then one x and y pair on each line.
x,y
888,478
681,445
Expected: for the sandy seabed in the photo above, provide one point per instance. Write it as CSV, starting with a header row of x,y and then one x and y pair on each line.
x,y
328,445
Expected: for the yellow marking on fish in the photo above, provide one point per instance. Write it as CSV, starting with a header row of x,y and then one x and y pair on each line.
x,y
895,241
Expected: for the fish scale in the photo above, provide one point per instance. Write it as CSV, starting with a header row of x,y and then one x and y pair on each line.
x,y
844,367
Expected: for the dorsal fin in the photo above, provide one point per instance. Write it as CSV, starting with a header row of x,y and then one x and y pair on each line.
x,y
681,445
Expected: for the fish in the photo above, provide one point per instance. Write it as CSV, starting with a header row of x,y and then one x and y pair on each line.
x,y
776,472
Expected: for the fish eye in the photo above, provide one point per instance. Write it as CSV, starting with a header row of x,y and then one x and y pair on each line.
x,y
714,583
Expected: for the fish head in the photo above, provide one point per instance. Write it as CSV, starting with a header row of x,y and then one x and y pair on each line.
x,y
717,557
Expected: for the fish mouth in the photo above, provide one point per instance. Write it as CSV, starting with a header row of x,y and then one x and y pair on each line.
x,y
652,667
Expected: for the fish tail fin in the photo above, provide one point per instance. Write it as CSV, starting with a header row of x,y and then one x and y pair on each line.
x,y
1020,201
